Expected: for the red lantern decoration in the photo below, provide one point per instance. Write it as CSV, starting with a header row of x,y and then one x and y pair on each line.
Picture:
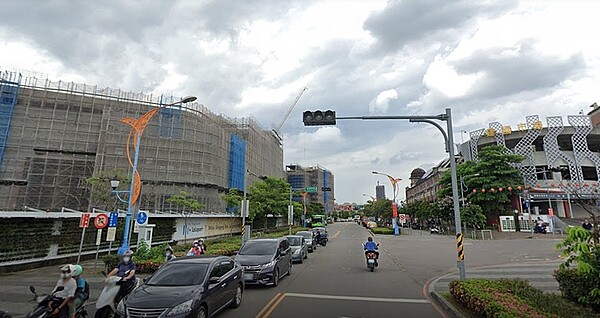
x,y
500,189
595,184
586,185
492,190
483,190
509,188
519,188
474,190
576,185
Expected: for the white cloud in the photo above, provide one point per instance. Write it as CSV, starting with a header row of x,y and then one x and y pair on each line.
x,y
381,103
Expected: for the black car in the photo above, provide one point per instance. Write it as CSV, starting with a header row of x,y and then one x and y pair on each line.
x,y
198,286
265,261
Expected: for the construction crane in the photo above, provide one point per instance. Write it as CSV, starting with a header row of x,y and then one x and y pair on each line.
x,y
277,128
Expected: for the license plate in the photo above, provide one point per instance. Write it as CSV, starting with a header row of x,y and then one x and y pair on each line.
x,y
371,261
248,276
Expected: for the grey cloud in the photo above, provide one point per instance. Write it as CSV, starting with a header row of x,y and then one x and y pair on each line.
x,y
507,74
404,156
376,161
403,22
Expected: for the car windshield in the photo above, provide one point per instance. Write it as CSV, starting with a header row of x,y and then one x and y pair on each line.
x,y
179,274
294,241
306,235
259,248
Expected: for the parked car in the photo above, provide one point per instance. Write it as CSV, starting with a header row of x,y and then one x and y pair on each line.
x,y
299,248
308,236
265,261
198,286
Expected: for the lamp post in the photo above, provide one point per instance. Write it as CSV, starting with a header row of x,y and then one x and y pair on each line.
x,y
246,204
462,185
137,128
394,182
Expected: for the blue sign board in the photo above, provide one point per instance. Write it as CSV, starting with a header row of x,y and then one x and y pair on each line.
x,y
113,219
142,217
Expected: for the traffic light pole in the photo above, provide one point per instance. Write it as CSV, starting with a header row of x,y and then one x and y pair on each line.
x,y
328,117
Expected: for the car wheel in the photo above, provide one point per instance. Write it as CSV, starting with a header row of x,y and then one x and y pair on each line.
x,y
237,298
202,312
275,278
289,271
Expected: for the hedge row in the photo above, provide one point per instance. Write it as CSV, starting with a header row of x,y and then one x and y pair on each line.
x,y
512,298
382,230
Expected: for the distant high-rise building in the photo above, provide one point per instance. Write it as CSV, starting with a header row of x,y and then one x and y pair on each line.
x,y
318,178
379,191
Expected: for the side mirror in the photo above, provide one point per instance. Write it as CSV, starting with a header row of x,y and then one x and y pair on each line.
x,y
32,289
60,288
214,280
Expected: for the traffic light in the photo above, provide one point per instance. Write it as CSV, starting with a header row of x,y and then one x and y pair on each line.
x,y
318,118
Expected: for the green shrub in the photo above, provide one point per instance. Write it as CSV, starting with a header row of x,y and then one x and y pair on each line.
x,y
513,298
575,285
552,303
582,283
110,261
382,230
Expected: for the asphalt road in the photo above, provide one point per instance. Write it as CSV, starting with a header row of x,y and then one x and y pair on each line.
x,y
335,282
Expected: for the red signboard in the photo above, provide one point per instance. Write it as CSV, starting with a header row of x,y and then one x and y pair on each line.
x,y
84,221
394,210
101,221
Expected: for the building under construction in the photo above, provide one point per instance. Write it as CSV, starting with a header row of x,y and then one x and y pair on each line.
x,y
55,135
317,181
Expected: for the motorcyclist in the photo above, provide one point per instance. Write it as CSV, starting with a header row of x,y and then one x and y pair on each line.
x,y
202,246
371,247
169,254
318,237
66,294
195,250
126,270
82,293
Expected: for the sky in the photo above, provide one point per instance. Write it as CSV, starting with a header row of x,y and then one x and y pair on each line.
x,y
486,60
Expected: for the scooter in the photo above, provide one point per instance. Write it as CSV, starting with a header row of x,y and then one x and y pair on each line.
x,y
434,229
107,301
372,257
41,310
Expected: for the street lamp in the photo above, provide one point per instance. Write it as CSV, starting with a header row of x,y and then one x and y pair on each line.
x,y
246,204
463,185
373,199
137,127
394,182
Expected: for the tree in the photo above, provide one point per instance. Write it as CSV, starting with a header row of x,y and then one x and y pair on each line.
x,y
98,185
233,199
268,196
185,201
494,170
314,208
472,215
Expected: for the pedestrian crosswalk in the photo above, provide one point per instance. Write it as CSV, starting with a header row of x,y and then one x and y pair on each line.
x,y
539,275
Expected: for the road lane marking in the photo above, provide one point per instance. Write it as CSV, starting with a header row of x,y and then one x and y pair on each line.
x,y
356,298
336,234
275,304
268,305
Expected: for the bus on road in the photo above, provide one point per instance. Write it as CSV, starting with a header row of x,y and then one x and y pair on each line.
x,y
318,220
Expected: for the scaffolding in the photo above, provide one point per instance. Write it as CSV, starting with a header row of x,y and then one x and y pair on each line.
x,y
62,133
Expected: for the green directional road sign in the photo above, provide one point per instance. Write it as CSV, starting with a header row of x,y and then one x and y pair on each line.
x,y
311,189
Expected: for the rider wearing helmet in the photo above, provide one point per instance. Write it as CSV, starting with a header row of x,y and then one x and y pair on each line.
x,y
169,253
202,246
195,250
371,246
126,270
69,286
81,294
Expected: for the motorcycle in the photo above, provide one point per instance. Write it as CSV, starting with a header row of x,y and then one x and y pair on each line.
x,y
434,229
41,310
322,241
372,257
107,301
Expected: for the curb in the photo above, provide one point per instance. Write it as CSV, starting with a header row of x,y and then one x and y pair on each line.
x,y
441,301
446,305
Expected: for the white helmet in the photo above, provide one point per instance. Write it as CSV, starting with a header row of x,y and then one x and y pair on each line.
x,y
67,270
